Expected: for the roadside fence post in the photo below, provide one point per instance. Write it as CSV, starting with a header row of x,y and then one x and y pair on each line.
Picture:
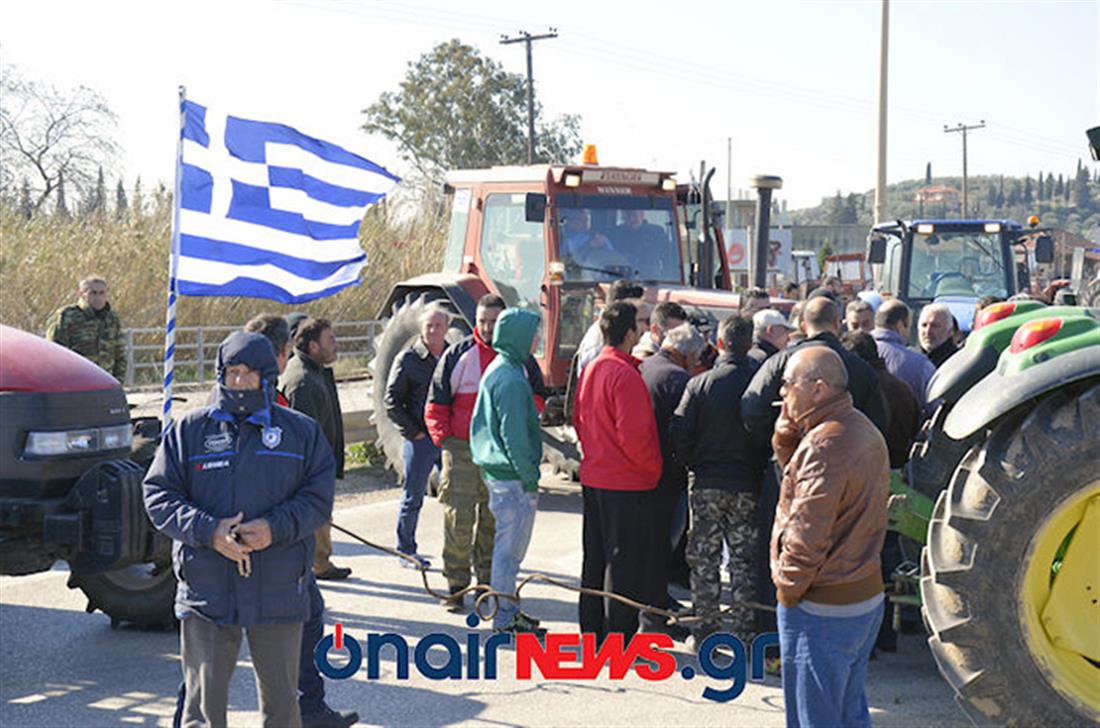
x,y
129,357
200,373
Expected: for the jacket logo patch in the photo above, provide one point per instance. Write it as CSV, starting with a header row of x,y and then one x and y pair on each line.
x,y
218,443
212,465
272,436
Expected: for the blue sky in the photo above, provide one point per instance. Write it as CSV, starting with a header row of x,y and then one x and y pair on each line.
x,y
657,84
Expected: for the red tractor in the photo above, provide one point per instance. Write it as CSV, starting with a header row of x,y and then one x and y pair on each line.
x,y
70,489
550,238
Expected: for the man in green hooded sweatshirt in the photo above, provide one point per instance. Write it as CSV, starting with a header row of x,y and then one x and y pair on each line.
x,y
506,443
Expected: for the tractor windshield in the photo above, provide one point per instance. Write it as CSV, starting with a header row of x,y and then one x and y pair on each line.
x,y
956,263
605,237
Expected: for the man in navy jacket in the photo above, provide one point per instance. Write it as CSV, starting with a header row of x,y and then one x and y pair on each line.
x,y
240,487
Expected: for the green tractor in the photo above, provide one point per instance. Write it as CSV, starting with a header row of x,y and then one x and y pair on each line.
x,y
1004,492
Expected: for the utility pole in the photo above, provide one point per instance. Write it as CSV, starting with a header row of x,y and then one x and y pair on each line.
x,y
527,39
964,129
880,180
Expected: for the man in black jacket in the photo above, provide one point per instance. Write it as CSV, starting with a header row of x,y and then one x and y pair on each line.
x,y
820,320
724,476
406,396
666,374
310,388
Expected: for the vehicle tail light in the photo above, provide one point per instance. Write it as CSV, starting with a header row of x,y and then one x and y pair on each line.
x,y
994,312
1033,333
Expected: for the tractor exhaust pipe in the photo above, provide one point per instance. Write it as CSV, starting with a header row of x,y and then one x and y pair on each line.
x,y
763,184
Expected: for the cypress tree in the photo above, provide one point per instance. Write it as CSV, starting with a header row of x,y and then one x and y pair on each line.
x,y
26,204
1039,186
1027,190
1001,193
120,200
1082,200
61,208
928,174
1060,190
137,200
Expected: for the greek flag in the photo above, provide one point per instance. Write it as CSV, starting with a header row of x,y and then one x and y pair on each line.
x,y
266,211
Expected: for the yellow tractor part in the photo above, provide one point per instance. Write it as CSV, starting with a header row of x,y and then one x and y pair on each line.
x,y
1060,597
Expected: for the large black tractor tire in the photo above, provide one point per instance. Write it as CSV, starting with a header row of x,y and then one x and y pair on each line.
x,y
989,544
398,333
142,594
934,457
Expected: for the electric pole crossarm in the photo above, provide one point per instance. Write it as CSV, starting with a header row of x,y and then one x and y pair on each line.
x,y
527,39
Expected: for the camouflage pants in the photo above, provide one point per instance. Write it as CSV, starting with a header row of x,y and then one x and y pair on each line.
x,y
717,517
468,525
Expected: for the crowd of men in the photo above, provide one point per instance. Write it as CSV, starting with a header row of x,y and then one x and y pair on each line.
x,y
678,439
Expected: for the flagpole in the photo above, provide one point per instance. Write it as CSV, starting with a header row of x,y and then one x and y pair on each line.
x,y
173,284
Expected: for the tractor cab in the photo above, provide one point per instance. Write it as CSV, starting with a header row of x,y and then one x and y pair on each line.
x,y
551,238
953,262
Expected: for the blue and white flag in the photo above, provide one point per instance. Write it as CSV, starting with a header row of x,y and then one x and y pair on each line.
x,y
268,212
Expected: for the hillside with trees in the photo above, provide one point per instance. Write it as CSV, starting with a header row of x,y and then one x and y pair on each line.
x,y
1069,200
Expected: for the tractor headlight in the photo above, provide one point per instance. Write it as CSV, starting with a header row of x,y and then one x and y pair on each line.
x,y
62,443
78,442
117,437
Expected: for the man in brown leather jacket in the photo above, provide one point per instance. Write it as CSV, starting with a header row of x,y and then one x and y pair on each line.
x,y
828,532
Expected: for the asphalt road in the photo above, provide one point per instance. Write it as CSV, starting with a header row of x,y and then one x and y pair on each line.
x,y
62,667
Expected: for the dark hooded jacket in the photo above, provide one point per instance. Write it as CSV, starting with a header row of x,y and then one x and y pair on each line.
x,y
242,454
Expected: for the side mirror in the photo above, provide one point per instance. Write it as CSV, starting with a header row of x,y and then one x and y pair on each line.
x,y
1044,249
876,250
534,207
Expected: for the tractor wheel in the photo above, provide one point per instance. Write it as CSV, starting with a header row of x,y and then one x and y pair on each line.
x,y
143,594
398,333
934,456
1010,578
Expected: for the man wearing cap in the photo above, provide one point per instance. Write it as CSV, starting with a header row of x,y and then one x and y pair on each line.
x,y
770,334
240,487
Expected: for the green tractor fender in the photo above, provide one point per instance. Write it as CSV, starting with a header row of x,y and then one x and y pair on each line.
x,y
984,346
1046,353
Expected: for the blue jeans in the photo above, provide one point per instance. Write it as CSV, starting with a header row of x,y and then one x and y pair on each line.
x,y
514,512
825,666
420,457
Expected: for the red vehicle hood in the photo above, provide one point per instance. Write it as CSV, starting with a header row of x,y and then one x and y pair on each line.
x,y
29,363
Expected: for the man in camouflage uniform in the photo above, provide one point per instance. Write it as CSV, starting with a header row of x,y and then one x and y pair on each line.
x,y
725,473
91,328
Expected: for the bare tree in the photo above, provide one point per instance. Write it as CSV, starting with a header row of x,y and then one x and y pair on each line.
x,y
48,134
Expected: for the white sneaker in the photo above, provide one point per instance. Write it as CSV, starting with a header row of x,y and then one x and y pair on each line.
x,y
420,563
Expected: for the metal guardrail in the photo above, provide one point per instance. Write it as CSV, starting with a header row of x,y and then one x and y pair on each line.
x,y
197,348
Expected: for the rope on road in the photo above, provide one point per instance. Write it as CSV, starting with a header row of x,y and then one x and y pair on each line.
x,y
486,609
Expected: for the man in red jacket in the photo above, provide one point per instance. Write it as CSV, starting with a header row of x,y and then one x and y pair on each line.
x,y
619,471
468,526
